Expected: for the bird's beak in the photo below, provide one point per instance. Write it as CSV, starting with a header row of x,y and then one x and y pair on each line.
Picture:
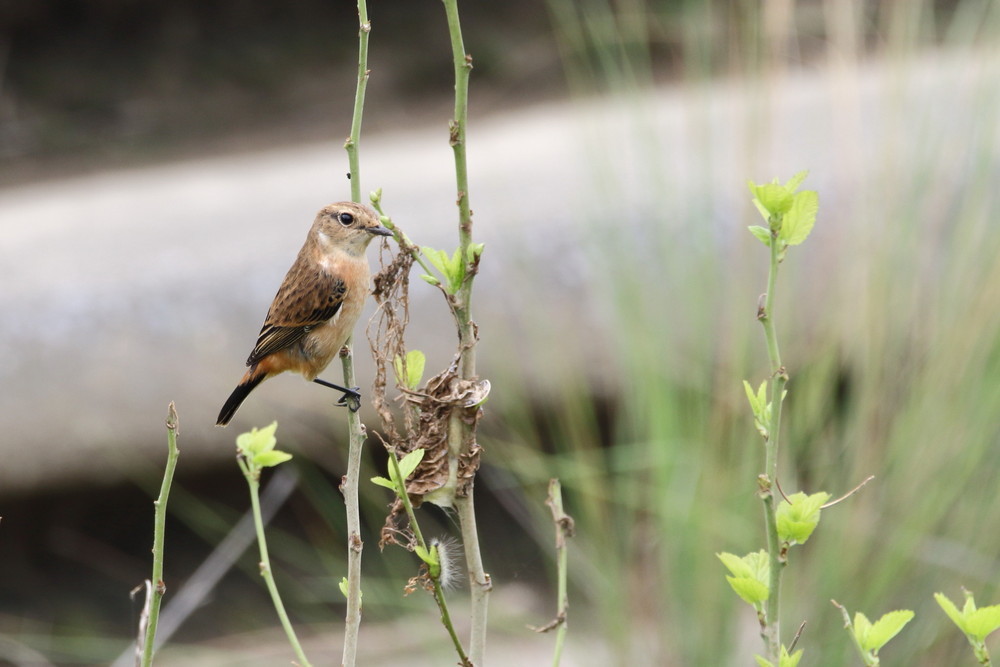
x,y
380,230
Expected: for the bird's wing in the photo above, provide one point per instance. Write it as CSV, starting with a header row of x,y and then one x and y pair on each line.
x,y
306,299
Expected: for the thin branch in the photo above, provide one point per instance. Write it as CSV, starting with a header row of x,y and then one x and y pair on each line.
x,y
564,528
795,639
356,434
461,435
252,475
849,493
351,145
781,491
156,588
772,627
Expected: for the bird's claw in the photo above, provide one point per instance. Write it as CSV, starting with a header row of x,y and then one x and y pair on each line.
x,y
351,399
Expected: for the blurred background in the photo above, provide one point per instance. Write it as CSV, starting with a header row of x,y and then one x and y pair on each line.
x,y
160,165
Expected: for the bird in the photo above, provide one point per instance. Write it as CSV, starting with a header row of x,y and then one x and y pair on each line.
x,y
317,305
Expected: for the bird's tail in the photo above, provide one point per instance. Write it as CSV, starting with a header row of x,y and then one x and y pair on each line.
x,y
250,380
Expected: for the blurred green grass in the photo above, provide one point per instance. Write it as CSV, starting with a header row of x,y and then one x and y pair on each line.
x,y
889,320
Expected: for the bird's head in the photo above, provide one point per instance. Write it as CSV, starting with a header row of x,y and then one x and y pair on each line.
x,y
347,226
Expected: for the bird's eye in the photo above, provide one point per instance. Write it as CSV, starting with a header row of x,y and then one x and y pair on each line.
x,y
345,218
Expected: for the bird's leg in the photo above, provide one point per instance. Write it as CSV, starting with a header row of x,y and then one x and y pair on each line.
x,y
351,397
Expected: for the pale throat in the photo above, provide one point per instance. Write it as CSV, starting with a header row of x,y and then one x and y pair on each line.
x,y
337,260
330,248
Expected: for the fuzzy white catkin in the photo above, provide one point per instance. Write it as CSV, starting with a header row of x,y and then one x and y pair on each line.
x,y
449,554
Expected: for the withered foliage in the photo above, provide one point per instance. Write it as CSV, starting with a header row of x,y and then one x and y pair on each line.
x,y
427,413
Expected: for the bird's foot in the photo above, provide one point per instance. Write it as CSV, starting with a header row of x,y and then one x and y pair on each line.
x,y
351,398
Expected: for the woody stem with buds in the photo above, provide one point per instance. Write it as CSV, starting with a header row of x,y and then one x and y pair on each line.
x,y
356,435
461,433
771,629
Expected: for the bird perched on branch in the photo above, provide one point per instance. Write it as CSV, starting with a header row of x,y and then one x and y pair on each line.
x,y
317,305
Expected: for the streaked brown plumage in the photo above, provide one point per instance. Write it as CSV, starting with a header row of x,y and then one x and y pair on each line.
x,y
318,303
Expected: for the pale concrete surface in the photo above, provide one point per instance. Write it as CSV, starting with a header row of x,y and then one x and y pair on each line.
x,y
121,291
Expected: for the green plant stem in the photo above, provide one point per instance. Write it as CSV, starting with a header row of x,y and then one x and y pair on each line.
x,y
349,487
463,67
252,475
563,530
461,434
771,631
159,529
351,145
865,657
982,653
419,537
356,436
479,581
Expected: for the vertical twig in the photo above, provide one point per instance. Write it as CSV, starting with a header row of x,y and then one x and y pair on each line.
x,y
564,529
356,434
252,474
771,630
461,434
351,145
157,588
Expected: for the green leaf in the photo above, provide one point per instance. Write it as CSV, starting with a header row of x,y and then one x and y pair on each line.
x,y
982,622
784,661
423,554
800,218
736,565
431,558
429,279
474,252
759,406
773,198
271,458
951,610
382,481
798,516
789,660
750,590
409,463
762,233
795,181
437,258
434,568
343,588
415,362
975,623
257,440
456,271
451,267
750,575
861,628
751,396
878,634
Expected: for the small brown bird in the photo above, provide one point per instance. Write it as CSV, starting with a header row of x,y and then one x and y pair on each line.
x,y
317,305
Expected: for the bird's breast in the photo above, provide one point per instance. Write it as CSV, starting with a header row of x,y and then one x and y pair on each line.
x,y
324,341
